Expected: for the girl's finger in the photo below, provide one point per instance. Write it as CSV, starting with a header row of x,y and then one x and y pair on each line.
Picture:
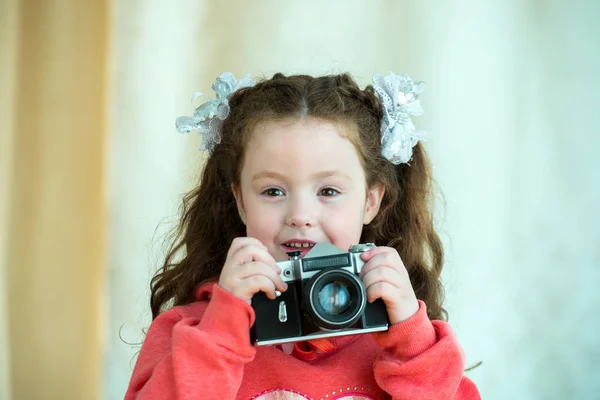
x,y
382,274
381,290
387,259
240,242
259,268
258,283
250,253
367,255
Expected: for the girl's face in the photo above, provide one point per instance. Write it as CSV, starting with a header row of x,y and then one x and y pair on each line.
x,y
302,182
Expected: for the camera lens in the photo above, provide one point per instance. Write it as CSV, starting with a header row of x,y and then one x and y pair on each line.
x,y
334,298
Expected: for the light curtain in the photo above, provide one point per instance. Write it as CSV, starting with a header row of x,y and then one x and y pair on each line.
x,y
53,198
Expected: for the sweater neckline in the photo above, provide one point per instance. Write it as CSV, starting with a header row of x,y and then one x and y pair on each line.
x,y
319,348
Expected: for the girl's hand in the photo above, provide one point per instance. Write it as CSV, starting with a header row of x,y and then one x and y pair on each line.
x,y
385,277
249,269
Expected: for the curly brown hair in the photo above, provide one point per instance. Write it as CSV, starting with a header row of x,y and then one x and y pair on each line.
x,y
210,219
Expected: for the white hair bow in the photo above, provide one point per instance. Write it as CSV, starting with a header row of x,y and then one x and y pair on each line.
x,y
209,116
399,95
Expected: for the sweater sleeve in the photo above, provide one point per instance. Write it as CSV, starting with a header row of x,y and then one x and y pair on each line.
x,y
198,356
422,359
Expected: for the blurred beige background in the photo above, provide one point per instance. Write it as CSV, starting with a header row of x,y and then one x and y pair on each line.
x,y
92,170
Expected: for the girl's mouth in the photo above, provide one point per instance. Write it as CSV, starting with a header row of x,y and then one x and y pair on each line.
x,y
303,246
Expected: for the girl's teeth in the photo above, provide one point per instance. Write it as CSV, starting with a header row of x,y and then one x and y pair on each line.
x,y
300,245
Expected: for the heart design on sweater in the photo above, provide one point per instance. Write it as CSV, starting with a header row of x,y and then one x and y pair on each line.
x,y
283,394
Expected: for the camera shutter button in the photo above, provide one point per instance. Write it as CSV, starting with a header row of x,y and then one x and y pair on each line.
x,y
359,248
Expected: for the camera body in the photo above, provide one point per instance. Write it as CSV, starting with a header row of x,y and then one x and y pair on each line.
x,y
325,298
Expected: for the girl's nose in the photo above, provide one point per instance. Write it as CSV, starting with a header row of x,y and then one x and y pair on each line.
x,y
301,214
299,220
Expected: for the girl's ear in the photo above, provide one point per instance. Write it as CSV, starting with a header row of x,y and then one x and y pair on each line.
x,y
237,193
374,197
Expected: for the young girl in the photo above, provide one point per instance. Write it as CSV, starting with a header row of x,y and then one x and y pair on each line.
x,y
294,161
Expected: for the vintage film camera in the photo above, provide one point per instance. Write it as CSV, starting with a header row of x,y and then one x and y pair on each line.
x,y
325,298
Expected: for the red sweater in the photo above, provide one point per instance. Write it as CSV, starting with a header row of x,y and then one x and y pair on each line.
x,y
202,351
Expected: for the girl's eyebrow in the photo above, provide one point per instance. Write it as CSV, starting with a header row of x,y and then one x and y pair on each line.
x,y
319,175
267,174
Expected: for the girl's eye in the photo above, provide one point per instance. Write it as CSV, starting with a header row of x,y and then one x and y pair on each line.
x,y
273,192
328,192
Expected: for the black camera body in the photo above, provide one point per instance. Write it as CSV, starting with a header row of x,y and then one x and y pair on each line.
x,y
325,298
